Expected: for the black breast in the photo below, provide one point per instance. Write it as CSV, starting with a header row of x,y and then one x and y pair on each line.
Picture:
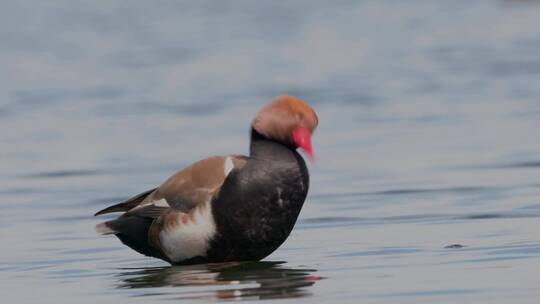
x,y
258,205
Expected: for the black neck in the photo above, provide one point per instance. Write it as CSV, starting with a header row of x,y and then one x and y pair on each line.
x,y
264,148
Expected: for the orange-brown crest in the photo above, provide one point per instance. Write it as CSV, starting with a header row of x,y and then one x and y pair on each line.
x,y
279,118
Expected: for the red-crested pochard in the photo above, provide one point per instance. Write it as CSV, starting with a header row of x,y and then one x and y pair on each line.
x,y
226,208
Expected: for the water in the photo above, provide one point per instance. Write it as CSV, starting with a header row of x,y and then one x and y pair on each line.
x,y
427,184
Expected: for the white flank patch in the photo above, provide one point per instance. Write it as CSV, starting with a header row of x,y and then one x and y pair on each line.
x,y
190,239
229,165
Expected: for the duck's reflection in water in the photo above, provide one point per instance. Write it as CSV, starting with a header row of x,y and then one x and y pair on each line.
x,y
247,280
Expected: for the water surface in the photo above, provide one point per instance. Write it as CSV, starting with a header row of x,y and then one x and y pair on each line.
x,y
427,183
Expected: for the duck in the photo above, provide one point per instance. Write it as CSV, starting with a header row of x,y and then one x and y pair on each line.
x,y
226,208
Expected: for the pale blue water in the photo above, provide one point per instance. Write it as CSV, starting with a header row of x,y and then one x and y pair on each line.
x,y
429,137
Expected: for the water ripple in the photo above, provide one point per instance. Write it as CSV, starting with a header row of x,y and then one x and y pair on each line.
x,y
412,218
411,191
65,173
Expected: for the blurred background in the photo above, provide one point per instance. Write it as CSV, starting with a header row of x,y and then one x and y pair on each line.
x,y
428,137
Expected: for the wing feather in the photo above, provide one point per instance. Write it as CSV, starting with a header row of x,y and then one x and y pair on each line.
x,y
127,204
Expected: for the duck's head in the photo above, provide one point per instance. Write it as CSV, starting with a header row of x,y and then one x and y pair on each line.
x,y
287,120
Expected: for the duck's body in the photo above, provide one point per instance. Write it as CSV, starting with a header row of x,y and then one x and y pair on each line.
x,y
229,208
